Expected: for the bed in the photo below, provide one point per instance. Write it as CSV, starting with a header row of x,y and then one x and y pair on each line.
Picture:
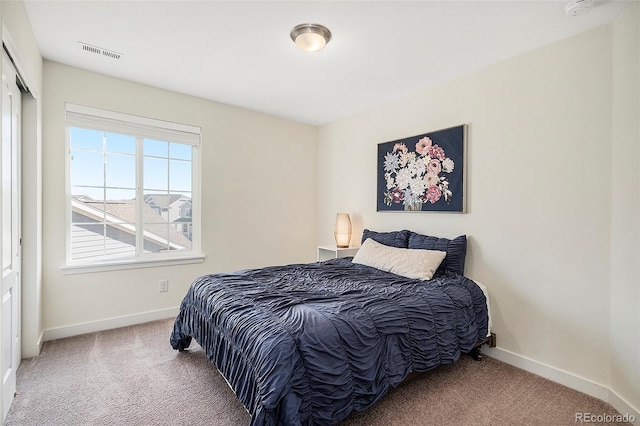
x,y
310,343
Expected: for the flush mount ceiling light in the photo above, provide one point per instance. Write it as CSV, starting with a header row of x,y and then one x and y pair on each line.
x,y
310,37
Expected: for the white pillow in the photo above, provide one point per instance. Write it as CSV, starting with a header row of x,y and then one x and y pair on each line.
x,y
411,263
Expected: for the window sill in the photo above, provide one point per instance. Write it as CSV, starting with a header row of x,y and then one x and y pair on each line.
x,y
87,268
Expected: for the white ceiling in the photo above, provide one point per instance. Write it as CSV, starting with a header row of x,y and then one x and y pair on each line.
x,y
240,53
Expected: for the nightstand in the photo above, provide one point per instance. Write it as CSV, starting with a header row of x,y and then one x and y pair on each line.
x,y
333,252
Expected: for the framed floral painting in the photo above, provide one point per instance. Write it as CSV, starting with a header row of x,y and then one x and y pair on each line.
x,y
423,172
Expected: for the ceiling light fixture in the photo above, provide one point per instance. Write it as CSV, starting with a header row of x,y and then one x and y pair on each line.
x,y
310,37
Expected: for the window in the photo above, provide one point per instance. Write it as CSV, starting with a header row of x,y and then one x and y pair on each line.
x,y
133,188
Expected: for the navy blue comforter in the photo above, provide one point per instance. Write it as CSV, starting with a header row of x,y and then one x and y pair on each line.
x,y
309,343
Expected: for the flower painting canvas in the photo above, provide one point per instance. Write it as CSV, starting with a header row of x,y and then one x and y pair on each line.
x,y
423,172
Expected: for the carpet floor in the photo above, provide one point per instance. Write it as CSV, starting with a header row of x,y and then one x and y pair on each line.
x,y
132,376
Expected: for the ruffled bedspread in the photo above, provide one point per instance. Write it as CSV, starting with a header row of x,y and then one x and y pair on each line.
x,y
307,344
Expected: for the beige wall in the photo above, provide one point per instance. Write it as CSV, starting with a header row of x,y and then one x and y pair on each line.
x,y
538,198
258,197
625,207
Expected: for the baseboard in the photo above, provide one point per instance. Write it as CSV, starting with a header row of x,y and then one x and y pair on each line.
x,y
39,343
624,407
32,350
109,323
567,379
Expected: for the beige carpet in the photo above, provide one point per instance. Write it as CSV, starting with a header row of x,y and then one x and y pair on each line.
x,y
131,376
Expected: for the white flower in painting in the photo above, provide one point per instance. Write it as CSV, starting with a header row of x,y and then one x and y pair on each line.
x,y
416,167
406,158
391,162
403,178
445,189
447,195
390,181
447,165
417,185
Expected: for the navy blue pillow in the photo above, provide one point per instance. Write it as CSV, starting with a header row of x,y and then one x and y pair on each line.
x,y
398,239
456,250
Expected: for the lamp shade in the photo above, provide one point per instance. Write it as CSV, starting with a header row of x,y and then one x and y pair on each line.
x,y
342,230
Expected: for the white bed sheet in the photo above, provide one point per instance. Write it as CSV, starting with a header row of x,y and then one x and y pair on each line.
x,y
485,290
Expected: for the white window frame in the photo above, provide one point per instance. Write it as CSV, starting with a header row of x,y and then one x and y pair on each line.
x,y
116,122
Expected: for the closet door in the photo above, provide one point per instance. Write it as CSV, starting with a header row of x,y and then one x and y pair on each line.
x,y
10,223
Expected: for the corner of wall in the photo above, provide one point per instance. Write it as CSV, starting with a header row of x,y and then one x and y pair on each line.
x,y
624,341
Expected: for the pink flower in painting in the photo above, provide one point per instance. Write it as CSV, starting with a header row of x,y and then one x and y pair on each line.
x,y
396,196
400,147
422,147
436,152
434,167
433,194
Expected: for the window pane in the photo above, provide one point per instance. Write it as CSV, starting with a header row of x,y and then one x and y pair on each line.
x,y
87,211
156,148
85,138
121,195
97,233
180,175
156,222
120,143
84,192
184,208
120,240
180,151
120,171
156,173
162,237
185,228
155,240
79,216
164,218
87,168
154,204
87,240
120,206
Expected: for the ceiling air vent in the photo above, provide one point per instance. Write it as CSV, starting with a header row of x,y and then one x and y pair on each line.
x,y
100,51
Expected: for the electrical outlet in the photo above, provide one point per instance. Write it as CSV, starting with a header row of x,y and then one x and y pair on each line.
x,y
163,286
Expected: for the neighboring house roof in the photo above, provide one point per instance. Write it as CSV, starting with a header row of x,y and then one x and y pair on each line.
x,y
182,220
163,200
121,214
